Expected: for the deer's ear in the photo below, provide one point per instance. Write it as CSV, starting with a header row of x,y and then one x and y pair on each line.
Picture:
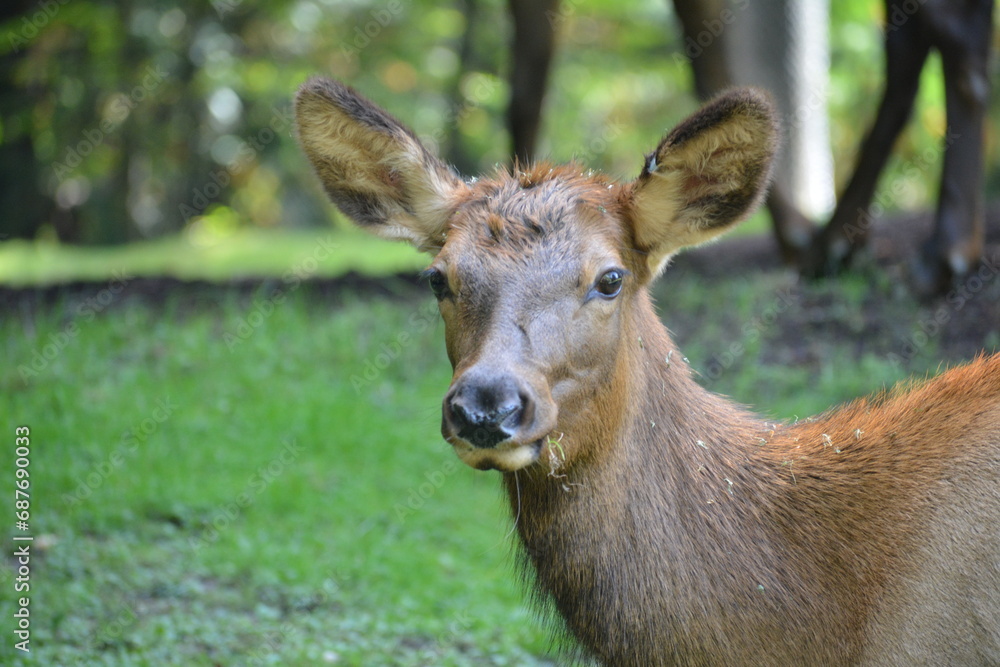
x,y
372,167
705,176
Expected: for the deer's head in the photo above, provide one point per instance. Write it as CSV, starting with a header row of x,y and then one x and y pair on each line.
x,y
535,271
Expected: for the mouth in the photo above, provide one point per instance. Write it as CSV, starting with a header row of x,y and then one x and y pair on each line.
x,y
506,457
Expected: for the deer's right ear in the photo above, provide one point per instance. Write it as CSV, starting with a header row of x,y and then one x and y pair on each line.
x,y
372,167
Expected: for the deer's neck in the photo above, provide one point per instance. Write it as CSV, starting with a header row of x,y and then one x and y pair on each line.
x,y
666,519
655,441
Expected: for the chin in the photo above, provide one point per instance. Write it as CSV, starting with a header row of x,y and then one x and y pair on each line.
x,y
507,457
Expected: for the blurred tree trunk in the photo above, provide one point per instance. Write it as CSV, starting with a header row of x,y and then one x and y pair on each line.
x,y
783,47
531,55
455,152
705,50
780,46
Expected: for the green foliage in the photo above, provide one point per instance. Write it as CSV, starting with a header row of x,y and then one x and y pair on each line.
x,y
124,121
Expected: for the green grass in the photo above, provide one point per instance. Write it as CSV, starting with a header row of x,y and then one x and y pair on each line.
x,y
210,255
247,481
752,349
160,539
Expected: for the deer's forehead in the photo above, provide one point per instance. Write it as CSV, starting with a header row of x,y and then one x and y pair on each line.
x,y
557,220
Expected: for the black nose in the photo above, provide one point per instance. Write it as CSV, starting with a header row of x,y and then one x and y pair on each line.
x,y
485,414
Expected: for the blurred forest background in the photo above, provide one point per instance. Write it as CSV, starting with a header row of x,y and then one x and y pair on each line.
x,y
232,468
122,121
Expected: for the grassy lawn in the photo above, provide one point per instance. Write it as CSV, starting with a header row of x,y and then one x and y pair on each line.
x,y
202,254
204,498
234,480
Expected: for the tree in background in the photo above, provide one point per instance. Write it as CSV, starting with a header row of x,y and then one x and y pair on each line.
x,y
125,122
128,120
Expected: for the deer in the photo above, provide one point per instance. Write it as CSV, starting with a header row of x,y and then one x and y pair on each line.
x,y
961,32
664,524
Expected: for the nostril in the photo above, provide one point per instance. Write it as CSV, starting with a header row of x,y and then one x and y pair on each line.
x,y
526,409
486,414
459,415
503,414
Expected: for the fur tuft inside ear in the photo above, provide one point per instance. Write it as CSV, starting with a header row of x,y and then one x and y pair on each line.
x,y
372,167
708,174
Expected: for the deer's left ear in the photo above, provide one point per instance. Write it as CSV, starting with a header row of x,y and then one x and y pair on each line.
x,y
707,175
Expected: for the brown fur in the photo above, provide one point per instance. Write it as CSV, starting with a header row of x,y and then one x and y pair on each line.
x,y
667,525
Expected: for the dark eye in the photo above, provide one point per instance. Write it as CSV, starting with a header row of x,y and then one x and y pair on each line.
x,y
438,283
610,284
